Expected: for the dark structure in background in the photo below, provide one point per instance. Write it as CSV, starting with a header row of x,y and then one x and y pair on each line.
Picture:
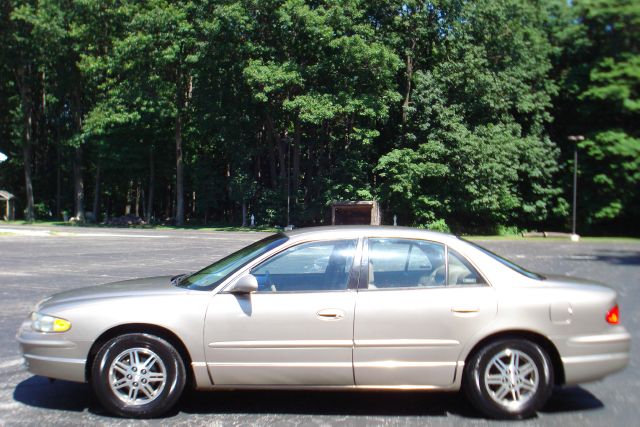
x,y
9,210
356,213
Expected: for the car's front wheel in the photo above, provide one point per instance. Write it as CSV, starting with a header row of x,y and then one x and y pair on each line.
x,y
509,379
138,376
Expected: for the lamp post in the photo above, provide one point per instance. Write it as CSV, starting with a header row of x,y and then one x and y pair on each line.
x,y
575,139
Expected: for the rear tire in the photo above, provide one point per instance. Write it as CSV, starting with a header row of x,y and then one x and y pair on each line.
x,y
509,379
138,376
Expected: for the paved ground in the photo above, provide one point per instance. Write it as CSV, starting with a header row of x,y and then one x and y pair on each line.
x,y
41,262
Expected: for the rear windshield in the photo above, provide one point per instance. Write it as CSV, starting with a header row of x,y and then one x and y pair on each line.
x,y
506,262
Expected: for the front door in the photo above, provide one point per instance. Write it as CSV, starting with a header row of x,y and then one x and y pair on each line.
x,y
296,329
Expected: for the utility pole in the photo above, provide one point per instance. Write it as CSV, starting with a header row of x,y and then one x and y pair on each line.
x,y
575,139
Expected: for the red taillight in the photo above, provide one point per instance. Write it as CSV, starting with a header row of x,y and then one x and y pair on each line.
x,y
613,315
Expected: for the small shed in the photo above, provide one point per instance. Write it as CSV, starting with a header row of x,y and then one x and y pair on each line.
x,y
6,197
365,212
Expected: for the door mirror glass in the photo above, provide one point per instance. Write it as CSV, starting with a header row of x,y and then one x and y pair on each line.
x,y
245,285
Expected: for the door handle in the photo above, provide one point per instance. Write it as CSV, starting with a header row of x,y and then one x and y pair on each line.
x,y
330,314
465,310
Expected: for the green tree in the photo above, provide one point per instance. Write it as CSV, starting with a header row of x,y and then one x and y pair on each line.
x,y
474,151
603,88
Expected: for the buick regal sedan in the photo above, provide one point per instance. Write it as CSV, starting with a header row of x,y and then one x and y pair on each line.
x,y
334,308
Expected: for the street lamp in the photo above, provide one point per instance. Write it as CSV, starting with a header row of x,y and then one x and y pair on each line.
x,y
575,139
3,157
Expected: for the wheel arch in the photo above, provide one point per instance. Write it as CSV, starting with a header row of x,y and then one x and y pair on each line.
x,y
541,340
140,328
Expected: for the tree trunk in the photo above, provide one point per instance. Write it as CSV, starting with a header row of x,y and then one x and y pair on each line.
x,y
151,187
183,95
78,184
96,195
22,84
168,204
179,172
272,157
137,205
26,150
296,157
407,95
58,171
127,207
78,181
244,213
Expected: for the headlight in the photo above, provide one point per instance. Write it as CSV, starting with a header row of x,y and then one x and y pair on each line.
x,y
43,323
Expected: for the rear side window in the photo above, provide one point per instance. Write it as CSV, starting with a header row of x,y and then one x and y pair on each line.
x,y
461,272
405,263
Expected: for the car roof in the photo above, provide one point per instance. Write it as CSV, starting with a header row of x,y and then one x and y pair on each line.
x,y
346,231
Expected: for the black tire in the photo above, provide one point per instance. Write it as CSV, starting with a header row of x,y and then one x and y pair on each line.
x,y
167,365
485,397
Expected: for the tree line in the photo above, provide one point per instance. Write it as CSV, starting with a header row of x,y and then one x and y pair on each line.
x,y
454,114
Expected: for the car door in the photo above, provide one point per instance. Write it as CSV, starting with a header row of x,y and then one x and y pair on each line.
x,y
416,307
296,329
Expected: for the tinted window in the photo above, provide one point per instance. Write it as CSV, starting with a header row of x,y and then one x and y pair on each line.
x,y
405,263
461,272
314,266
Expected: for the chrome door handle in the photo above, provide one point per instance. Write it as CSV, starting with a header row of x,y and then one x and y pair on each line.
x,y
330,314
465,310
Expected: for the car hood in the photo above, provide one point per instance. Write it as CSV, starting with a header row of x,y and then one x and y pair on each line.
x,y
137,287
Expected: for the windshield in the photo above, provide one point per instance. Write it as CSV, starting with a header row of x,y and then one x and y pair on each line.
x,y
503,261
211,276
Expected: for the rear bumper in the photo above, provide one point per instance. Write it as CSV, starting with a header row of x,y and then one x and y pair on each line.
x,y
592,357
53,355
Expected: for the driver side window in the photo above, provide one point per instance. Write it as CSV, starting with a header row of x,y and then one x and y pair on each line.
x,y
313,266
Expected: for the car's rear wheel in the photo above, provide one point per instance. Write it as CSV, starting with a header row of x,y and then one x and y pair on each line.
x,y
509,379
138,376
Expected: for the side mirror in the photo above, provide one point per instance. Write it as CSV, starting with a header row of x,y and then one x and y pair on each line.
x,y
245,285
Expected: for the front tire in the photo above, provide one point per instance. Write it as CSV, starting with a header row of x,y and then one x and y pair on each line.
x,y
509,379
138,376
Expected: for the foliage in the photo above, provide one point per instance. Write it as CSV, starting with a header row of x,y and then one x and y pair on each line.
x,y
453,114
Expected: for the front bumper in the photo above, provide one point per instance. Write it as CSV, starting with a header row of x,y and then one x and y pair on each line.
x,y
53,355
592,357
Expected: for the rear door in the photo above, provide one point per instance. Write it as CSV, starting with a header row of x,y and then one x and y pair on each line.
x,y
417,305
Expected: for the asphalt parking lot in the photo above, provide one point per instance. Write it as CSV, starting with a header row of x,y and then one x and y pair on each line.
x,y
34,264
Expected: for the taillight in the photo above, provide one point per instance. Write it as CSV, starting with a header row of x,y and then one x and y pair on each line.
x,y
613,315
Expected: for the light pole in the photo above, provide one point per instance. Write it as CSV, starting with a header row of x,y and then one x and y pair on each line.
x,y
575,139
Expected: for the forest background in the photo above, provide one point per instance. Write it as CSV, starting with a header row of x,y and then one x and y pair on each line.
x,y
453,114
